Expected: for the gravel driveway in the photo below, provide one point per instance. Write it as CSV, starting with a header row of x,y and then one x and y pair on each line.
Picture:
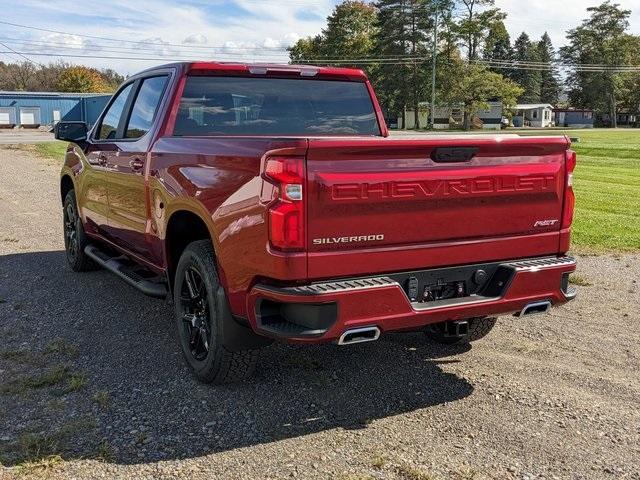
x,y
18,136
90,371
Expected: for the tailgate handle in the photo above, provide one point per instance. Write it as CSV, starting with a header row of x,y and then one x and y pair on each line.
x,y
454,154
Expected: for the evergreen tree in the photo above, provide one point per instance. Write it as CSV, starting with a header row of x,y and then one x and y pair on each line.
x,y
549,82
498,47
404,31
527,77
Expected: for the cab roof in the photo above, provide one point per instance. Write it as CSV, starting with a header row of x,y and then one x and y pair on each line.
x,y
266,69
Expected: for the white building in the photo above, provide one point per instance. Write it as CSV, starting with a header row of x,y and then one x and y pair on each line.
x,y
537,115
452,116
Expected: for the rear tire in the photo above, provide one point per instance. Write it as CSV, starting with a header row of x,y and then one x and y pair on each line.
x,y
75,240
199,318
478,328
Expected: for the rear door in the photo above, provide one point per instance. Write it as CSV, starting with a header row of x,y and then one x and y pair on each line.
x,y
128,205
399,194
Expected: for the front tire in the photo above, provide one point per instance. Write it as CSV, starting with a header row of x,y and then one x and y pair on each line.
x,y
75,240
478,328
199,318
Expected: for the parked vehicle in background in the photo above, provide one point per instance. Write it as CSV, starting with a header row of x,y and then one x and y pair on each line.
x,y
268,203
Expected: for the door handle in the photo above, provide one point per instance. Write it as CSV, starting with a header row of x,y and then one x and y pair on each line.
x,y
136,164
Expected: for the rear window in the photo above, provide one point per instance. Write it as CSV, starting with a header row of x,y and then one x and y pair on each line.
x,y
274,106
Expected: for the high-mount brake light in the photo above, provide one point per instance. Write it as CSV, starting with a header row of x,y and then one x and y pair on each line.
x,y
286,212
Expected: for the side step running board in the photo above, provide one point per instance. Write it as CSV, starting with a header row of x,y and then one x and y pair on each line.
x,y
127,273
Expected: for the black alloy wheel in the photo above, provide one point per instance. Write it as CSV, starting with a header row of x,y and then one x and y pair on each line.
x,y
195,311
71,231
75,240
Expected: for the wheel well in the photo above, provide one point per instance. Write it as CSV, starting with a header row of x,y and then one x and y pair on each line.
x,y
183,228
66,185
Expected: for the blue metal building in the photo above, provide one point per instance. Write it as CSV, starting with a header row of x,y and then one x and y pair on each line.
x,y
574,117
32,109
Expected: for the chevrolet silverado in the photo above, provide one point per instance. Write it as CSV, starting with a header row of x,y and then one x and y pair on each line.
x,y
268,202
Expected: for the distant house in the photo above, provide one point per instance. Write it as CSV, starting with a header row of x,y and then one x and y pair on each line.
x,y
574,117
452,116
537,115
33,109
410,118
627,118
491,118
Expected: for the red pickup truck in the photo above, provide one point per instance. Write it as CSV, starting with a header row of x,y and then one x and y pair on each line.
x,y
267,202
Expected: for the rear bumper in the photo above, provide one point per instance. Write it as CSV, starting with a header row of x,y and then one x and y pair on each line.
x,y
322,312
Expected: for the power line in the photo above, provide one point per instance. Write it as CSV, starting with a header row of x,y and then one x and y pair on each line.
x,y
110,39
355,61
23,56
104,57
70,49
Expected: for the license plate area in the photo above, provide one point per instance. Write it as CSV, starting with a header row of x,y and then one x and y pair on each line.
x,y
427,288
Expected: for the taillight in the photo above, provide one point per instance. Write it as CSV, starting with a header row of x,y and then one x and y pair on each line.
x,y
569,196
286,212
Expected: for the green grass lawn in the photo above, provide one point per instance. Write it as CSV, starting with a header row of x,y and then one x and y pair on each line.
x,y
607,186
53,150
606,182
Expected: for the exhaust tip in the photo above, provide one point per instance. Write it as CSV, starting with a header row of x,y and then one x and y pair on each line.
x,y
359,335
537,308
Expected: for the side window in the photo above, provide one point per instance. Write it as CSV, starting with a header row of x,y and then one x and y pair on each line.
x,y
111,119
145,106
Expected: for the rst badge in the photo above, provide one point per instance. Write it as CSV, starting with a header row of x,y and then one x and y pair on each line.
x,y
545,223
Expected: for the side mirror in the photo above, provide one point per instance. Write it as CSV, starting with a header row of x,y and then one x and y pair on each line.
x,y
71,131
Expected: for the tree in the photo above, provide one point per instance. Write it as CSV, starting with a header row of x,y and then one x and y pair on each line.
x,y
18,76
405,30
527,77
602,39
476,23
55,76
306,49
549,82
349,34
351,30
81,79
111,78
498,43
477,86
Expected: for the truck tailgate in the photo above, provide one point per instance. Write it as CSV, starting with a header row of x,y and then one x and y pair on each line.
x,y
395,193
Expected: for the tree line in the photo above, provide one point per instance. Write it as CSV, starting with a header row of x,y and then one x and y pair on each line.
x,y
57,77
476,60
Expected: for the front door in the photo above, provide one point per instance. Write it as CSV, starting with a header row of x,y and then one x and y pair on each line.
x,y
93,196
128,201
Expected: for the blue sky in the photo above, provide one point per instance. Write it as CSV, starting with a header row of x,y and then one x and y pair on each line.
x,y
245,30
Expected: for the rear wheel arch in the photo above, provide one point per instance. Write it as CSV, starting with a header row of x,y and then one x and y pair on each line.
x,y
183,228
66,185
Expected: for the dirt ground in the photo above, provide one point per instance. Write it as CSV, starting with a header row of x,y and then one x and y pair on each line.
x,y
92,384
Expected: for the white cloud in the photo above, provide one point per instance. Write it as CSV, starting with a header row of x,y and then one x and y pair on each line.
x,y
290,39
555,17
64,40
207,31
196,38
270,43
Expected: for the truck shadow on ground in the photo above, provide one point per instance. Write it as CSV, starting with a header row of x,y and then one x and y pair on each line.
x,y
90,369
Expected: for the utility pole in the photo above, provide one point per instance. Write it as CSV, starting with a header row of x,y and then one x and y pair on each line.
x,y
434,58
